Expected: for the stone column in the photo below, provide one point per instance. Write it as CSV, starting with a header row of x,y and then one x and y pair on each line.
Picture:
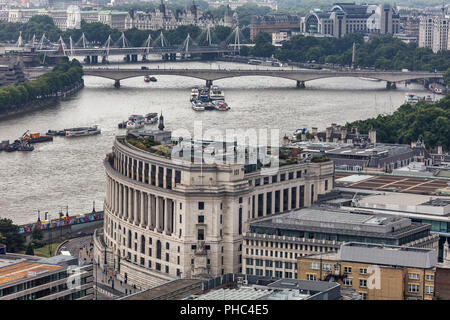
x,y
142,220
164,178
166,216
149,211
273,201
129,204
157,215
264,213
256,205
289,198
135,207
120,200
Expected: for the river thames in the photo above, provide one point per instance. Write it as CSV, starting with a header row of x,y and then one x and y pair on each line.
x,y
69,171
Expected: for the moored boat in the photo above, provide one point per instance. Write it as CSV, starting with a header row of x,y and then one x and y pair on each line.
x,y
151,118
411,98
198,105
135,121
216,93
82,131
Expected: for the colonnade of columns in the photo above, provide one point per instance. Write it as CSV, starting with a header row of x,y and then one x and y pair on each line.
x,y
143,209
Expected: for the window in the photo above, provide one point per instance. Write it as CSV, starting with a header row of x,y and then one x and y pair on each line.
x,y
201,234
363,295
326,267
311,277
413,288
429,289
201,219
257,182
363,283
363,270
429,277
274,179
348,281
201,205
314,266
347,269
299,173
291,175
414,276
283,177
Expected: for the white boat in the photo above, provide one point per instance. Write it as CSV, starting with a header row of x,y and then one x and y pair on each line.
x,y
216,93
82,131
135,121
411,98
369,79
198,106
194,93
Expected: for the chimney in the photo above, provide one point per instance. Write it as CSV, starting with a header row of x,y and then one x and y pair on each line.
x,y
314,131
439,149
334,126
328,133
343,134
373,136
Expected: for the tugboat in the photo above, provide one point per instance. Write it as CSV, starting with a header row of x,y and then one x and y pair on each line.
x,y
153,79
151,118
82,131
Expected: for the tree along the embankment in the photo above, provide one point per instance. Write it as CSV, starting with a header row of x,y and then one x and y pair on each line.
x,y
429,122
64,75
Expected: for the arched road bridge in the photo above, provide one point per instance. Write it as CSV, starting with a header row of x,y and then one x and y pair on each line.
x,y
300,76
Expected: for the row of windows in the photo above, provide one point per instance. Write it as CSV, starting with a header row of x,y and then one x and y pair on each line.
x,y
270,263
274,179
271,273
282,245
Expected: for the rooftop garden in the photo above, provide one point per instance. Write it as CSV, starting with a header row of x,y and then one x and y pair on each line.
x,y
150,145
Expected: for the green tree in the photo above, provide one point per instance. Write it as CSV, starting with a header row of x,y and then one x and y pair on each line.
x,y
29,251
447,76
10,236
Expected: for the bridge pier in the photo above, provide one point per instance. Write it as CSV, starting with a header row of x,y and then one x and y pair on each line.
x,y
117,84
87,59
144,58
104,59
391,85
209,83
94,59
165,56
134,58
301,84
173,57
127,58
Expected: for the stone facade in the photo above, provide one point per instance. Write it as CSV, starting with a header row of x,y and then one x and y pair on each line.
x,y
208,206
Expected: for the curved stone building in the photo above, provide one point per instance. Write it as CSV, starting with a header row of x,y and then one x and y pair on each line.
x,y
167,218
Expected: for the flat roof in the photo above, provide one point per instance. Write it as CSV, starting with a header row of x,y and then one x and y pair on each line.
x,y
252,293
24,270
399,183
338,221
388,255
406,198
172,288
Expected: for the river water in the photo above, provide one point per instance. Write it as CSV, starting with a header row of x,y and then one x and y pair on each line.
x,y
69,171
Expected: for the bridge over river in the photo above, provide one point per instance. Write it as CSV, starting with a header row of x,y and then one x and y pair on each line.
x,y
298,75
